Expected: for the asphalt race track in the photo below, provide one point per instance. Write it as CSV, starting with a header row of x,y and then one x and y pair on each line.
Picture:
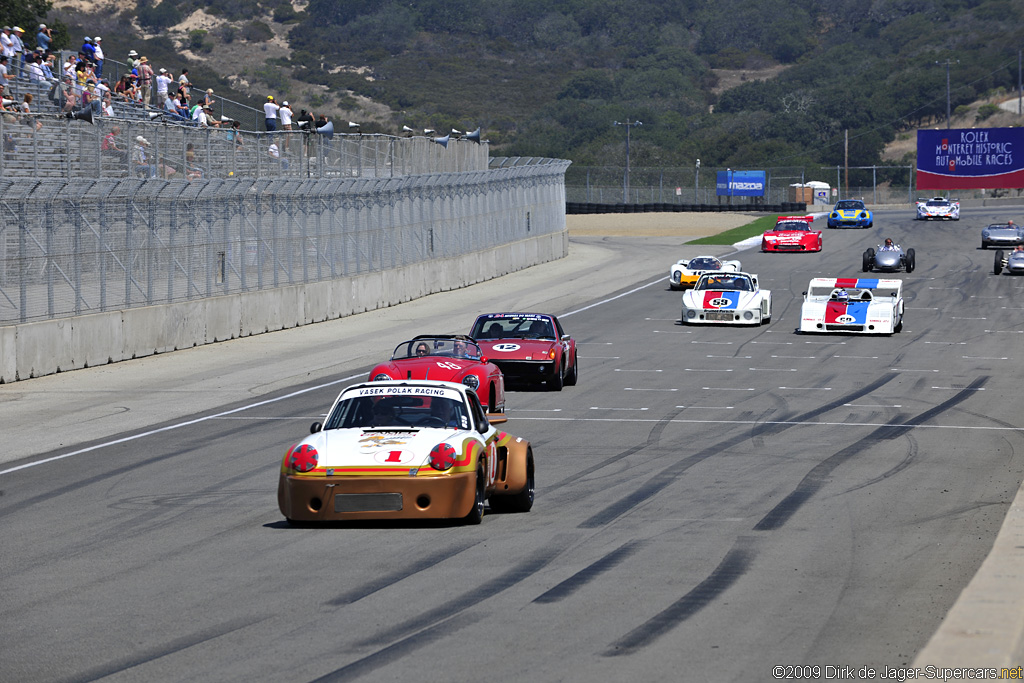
x,y
711,502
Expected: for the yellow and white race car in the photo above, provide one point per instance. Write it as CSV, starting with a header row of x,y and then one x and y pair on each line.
x,y
685,272
405,449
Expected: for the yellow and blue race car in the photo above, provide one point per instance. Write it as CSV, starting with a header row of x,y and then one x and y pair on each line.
x,y
850,213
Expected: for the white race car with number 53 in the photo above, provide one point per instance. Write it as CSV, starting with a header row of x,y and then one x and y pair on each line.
x,y
727,297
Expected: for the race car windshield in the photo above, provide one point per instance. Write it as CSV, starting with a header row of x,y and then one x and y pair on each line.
x,y
849,206
793,225
509,327
704,263
938,202
448,348
409,410
724,283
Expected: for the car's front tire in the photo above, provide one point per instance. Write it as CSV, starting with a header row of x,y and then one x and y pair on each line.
x,y
997,267
911,260
556,382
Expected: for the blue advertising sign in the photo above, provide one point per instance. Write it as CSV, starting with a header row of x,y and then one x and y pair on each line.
x,y
740,184
970,158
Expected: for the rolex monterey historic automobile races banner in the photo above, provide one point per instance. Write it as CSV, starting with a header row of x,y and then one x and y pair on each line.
x,y
970,158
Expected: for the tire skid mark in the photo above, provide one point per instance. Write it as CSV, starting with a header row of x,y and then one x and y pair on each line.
x,y
903,464
729,570
817,477
402,648
471,598
589,573
170,648
671,473
371,587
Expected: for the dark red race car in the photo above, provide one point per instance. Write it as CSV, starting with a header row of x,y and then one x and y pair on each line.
x,y
449,358
792,233
529,348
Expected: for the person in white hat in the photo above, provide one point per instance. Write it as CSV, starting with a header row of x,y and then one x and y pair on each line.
x,y
43,38
97,52
140,160
130,61
19,49
163,85
285,114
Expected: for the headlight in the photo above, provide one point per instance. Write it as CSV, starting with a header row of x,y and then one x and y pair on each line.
x,y
691,313
302,458
834,215
748,315
984,233
471,381
381,377
442,457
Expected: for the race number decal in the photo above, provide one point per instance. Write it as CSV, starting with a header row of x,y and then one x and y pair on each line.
x,y
506,348
448,365
393,457
846,319
718,303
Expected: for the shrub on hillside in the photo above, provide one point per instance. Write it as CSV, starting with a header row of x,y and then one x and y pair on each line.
x,y
256,32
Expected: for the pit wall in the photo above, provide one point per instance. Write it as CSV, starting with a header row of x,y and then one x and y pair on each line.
x,y
41,348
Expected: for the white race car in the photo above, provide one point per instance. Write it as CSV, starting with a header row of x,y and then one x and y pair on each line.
x,y
727,297
866,306
685,272
405,449
938,208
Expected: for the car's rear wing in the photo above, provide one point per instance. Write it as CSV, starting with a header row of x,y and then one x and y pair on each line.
x,y
822,287
783,219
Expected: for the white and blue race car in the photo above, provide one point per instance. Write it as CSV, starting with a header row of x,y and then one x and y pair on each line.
x,y
939,209
727,297
848,304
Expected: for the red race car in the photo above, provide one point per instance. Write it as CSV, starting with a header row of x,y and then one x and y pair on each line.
x,y
449,358
528,347
792,233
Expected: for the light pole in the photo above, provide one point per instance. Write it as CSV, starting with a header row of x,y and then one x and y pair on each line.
x,y
696,182
625,179
947,63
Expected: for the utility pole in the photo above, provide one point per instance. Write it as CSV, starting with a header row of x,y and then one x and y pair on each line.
x,y
948,63
846,163
625,179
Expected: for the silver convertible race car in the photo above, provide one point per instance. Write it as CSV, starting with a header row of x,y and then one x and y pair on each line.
x,y
1012,262
847,304
685,272
727,297
889,258
1007,234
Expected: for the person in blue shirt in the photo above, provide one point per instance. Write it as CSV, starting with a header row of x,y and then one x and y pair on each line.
x,y
43,38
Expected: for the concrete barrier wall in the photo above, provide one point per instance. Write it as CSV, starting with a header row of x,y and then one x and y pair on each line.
x,y
41,348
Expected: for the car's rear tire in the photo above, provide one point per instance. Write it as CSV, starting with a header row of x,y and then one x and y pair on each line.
x,y
476,513
911,260
517,502
573,377
998,266
899,326
866,261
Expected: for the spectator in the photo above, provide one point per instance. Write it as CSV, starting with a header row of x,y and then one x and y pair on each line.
x,y
131,59
19,49
140,159
109,146
163,82
35,69
192,172
235,134
184,83
275,156
285,113
10,106
210,119
305,122
6,43
87,50
199,116
27,118
50,68
44,37
208,97
63,95
4,74
108,104
270,110
145,80
98,56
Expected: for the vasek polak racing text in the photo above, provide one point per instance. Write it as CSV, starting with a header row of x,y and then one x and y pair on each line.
x,y
973,148
892,673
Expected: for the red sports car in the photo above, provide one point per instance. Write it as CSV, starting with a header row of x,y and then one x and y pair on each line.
x,y
528,347
792,233
449,358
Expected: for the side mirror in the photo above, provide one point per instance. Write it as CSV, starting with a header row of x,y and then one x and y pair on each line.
x,y
496,418
566,337
315,427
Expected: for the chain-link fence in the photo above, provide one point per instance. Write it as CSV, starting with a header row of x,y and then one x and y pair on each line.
x,y
82,246
110,148
883,184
